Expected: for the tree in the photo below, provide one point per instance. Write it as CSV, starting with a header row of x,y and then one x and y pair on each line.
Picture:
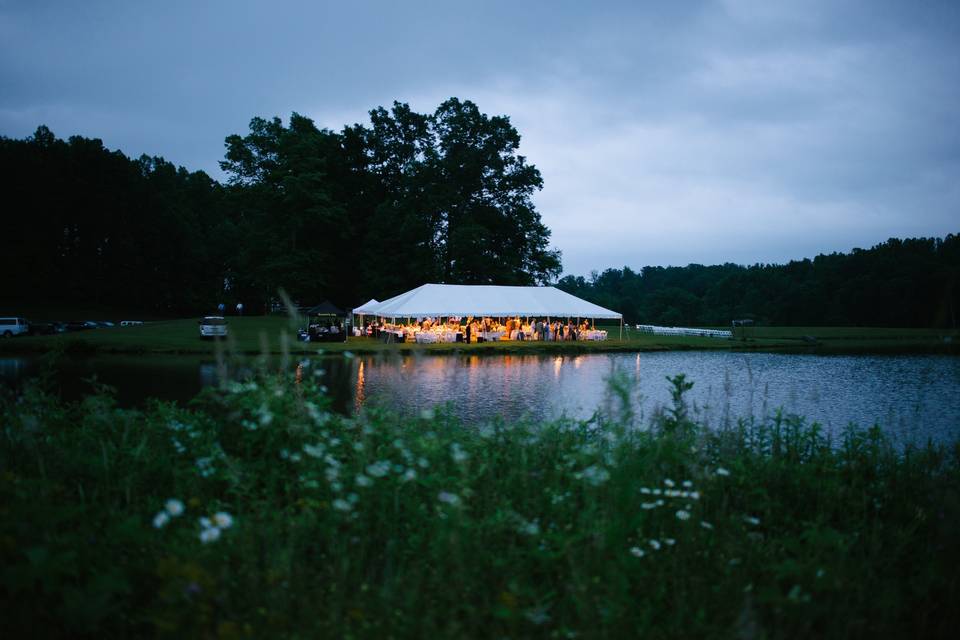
x,y
487,227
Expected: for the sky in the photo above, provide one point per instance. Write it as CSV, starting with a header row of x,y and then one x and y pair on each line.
x,y
667,132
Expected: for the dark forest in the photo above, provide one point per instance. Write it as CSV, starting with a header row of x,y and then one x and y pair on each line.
x,y
379,208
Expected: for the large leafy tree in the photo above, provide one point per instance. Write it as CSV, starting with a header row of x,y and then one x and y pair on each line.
x,y
293,230
487,228
379,208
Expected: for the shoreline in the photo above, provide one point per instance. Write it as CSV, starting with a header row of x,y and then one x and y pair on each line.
x,y
254,335
893,346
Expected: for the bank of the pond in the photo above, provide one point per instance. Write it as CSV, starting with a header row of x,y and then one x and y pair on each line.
x,y
257,512
272,334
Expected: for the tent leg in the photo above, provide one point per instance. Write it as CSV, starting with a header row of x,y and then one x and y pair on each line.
x,y
621,327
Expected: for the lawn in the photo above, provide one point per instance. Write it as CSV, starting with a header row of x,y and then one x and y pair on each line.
x,y
276,334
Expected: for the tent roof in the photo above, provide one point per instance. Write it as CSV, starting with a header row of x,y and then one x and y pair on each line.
x,y
488,300
367,307
326,308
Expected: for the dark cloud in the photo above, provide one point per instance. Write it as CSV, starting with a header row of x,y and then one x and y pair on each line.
x,y
667,132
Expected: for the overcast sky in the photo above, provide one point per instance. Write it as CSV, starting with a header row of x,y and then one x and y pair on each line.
x,y
667,133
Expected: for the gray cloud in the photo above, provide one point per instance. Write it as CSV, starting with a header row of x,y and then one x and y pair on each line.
x,y
703,132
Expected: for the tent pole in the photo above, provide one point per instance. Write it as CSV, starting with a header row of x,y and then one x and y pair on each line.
x,y
621,327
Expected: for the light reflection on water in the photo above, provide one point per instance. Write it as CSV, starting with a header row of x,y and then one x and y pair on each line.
x,y
912,397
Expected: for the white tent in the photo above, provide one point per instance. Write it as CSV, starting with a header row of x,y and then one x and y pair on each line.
x,y
487,300
367,308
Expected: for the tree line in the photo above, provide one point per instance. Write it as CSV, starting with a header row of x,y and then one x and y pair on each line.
x,y
898,283
378,208
369,211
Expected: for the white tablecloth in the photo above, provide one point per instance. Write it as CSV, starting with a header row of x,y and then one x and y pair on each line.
x,y
593,335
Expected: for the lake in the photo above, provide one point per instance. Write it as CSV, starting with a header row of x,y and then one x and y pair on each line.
x,y
912,397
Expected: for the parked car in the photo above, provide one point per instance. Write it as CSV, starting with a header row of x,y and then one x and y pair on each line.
x,y
10,327
46,328
80,325
213,327
130,323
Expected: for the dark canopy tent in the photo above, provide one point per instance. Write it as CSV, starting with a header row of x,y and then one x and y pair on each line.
x,y
326,308
325,324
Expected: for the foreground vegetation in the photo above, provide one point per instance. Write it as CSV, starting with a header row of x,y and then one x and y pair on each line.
x,y
274,334
256,512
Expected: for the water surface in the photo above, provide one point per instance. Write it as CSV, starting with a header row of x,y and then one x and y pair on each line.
x,y
910,396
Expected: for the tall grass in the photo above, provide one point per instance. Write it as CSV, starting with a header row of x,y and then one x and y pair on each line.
x,y
258,512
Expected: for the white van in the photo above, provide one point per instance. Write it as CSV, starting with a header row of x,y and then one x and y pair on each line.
x,y
10,327
213,327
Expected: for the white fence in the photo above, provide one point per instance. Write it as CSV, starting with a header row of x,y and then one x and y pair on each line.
x,y
684,331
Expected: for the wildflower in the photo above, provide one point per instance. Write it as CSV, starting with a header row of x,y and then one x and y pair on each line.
x,y
265,416
449,498
594,475
706,525
751,520
408,475
313,450
683,515
205,467
205,523
669,541
695,495
660,503
648,505
174,507
538,615
637,551
379,469
210,534
223,519
160,520
687,484
722,472
427,414
656,492
423,463
457,453
530,528
342,505
645,490
358,446
363,481
669,483
655,545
